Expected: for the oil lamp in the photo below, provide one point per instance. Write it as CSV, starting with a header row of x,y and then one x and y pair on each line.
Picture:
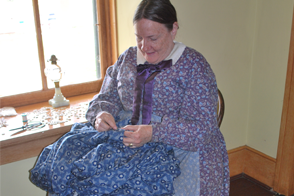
x,y
54,73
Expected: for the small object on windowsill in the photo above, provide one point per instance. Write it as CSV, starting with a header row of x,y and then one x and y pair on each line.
x,y
27,126
53,72
24,117
7,111
3,122
22,127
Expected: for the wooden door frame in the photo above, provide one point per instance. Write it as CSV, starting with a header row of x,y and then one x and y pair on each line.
x,y
284,171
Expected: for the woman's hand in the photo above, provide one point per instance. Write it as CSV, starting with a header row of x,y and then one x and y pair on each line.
x,y
104,121
137,135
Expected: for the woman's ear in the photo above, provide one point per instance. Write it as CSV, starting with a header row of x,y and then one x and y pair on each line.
x,y
175,29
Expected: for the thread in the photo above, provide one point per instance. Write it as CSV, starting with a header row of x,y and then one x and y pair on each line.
x,y
24,117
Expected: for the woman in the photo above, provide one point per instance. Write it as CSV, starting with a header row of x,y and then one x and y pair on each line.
x,y
161,93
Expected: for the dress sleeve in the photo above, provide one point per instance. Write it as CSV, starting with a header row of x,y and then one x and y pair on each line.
x,y
198,113
107,99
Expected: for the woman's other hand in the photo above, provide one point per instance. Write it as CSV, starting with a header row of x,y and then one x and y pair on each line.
x,y
104,122
137,135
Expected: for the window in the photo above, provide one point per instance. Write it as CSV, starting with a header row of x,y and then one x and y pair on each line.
x,y
35,30
69,31
19,49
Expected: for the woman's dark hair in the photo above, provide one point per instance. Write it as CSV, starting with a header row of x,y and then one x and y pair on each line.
x,y
161,11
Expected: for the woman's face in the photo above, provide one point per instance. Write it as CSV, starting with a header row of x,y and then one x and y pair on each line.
x,y
154,40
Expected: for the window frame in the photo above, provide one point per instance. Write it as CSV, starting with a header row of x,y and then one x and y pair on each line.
x,y
107,38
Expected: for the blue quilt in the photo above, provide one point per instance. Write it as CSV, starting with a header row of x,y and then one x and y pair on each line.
x,y
87,162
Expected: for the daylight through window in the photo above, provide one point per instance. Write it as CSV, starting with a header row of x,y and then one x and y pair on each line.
x,y
69,31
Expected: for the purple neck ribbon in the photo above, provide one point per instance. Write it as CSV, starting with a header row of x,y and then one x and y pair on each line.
x,y
144,84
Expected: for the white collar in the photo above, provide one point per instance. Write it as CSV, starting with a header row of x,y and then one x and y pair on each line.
x,y
174,55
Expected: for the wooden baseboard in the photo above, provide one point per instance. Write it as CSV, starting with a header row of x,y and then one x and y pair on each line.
x,y
252,163
236,160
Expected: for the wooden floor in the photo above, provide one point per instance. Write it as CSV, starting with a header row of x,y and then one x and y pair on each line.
x,y
243,185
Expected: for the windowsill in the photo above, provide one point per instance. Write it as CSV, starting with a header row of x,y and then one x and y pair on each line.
x,y
28,144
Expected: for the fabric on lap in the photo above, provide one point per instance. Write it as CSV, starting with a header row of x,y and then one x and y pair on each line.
x,y
88,162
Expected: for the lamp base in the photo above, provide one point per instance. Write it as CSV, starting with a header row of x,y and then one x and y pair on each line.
x,y
58,99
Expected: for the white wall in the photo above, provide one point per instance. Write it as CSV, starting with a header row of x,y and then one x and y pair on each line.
x,y
125,11
269,64
14,179
247,44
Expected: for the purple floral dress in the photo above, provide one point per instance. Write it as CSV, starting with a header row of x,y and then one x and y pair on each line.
x,y
185,96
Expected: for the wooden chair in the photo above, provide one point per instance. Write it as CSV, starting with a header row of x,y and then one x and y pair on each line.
x,y
220,108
